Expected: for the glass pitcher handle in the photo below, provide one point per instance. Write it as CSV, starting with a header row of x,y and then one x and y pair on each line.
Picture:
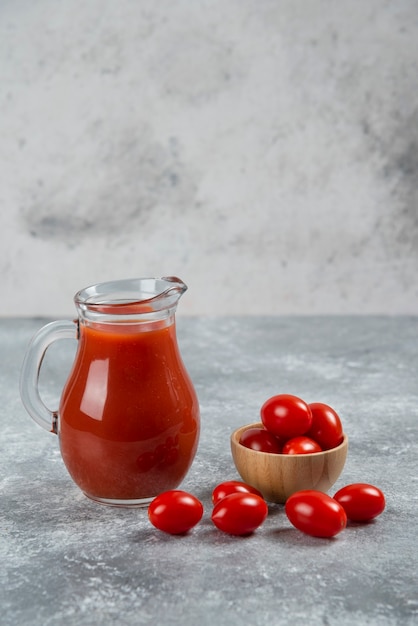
x,y
29,377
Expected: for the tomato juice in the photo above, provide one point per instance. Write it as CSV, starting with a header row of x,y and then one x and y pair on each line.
x,y
129,415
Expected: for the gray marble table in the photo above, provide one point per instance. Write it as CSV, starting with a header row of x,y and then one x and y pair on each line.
x,y
68,561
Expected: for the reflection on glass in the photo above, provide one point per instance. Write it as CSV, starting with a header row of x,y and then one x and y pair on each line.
x,y
94,398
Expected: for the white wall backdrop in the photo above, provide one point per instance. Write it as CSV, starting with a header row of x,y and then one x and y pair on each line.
x,y
265,151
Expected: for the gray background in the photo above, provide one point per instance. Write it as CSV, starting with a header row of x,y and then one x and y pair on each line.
x,y
264,151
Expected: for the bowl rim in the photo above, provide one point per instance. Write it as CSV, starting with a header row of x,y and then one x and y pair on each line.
x,y
237,432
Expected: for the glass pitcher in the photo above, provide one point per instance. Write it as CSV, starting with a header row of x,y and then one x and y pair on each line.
x,y
128,419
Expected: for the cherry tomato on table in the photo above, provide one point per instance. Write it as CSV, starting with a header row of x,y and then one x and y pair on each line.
x,y
301,445
239,513
361,502
261,440
286,416
175,511
315,513
232,486
326,427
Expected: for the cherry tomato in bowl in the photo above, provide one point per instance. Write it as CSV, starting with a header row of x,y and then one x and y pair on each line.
x,y
261,440
362,502
326,427
301,445
232,486
315,513
239,513
286,416
175,512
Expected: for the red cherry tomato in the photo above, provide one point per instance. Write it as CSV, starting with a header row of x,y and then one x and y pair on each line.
x,y
239,513
315,513
326,426
286,416
175,511
301,445
261,440
361,502
232,486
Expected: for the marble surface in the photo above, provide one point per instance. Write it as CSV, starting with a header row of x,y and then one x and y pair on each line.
x,y
68,561
248,142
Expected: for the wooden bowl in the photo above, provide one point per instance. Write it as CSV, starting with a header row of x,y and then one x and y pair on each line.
x,y
277,476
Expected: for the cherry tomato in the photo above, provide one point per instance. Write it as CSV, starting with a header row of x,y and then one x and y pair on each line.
x,y
261,440
286,416
361,502
175,511
239,513
326,426
301,445
232,486
315,513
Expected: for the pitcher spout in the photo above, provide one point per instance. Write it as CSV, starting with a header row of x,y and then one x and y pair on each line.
x,y
175,288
